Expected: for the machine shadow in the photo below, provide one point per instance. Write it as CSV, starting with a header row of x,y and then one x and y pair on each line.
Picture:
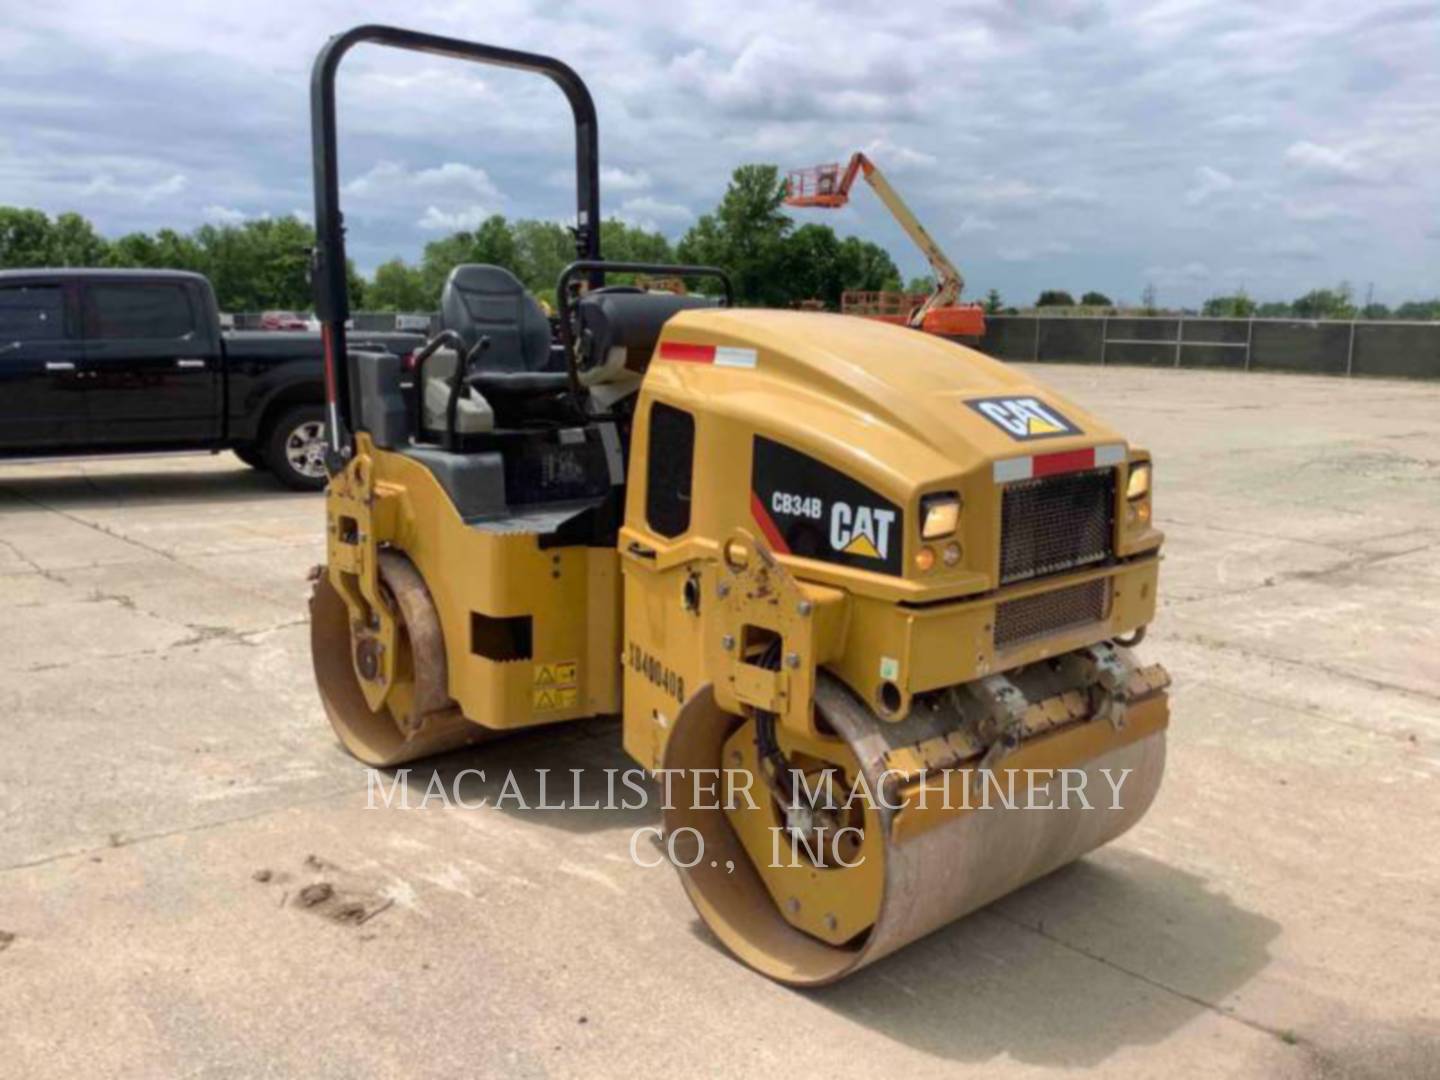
x,y
1113,951
570,777
74,491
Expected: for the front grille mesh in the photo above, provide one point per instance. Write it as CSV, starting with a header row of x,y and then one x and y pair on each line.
x,y
1056,523
1045,613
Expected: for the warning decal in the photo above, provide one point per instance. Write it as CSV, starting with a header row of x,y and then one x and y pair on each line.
x,y
731,356
556,686
1024,418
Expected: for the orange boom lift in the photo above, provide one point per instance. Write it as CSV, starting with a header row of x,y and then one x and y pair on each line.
x,y
938,313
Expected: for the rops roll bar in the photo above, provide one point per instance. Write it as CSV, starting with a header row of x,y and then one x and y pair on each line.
x,y
332,302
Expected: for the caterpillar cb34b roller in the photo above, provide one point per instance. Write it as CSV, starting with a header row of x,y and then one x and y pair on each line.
x,y
830,554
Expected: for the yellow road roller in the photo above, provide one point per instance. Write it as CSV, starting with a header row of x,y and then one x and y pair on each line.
x,y
878,573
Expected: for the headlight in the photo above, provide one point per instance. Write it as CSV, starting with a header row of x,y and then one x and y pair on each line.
x,y
939,515
1139,484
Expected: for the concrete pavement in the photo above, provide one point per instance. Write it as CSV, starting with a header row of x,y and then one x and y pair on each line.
x,y
168,787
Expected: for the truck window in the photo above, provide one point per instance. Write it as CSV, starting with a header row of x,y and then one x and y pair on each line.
x,y
127,311
31,313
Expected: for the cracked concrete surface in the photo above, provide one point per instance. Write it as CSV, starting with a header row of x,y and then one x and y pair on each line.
x,y
168,789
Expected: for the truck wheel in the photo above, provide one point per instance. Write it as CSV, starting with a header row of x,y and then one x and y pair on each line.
x,y
295,448
251,456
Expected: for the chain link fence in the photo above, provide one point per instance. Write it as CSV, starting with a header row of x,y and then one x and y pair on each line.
x,y
1393,349
1408,350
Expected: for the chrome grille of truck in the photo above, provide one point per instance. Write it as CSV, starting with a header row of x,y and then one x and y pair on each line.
x,y
1031,617
1056,523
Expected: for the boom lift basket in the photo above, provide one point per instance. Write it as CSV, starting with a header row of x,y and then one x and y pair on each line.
x,y
818,186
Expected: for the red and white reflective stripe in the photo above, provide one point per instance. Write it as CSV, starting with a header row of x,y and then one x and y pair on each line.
x,y
1033,466
719,355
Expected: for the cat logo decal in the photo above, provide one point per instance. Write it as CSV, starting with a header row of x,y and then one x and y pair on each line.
x,y
1024,418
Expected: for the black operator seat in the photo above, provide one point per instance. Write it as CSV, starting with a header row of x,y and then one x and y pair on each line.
x,y
488,301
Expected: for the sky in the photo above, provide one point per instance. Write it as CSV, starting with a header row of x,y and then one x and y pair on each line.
x,y
1197,145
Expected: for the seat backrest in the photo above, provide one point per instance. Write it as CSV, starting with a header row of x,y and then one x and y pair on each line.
x,y
488,301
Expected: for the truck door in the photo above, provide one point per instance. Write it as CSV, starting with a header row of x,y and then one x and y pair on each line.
x,y
42,400
151,365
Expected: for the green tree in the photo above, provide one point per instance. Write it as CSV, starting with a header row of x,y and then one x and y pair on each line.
x,y
923,284
1375,310
179,252
993,304
1273,309
135,249
620,242
1235,306
397,286
542,250
355,285
1423,310
771,262
813,269
258,264
1055,298
495,244
74,242
745,235
26,237
440,257
867,266
1325,304
1096,299
491,242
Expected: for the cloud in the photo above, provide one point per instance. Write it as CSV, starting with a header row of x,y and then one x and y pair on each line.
x,y
1193,272
223,215
974,223
1308,212
872,74
388,177
893,157
1239,123
1209,182
1033,252
1009,193
1332,164
654,215
435,219
1290,248
104,184
616,179
1084,124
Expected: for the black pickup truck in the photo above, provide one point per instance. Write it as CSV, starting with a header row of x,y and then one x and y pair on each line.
x,y
135,361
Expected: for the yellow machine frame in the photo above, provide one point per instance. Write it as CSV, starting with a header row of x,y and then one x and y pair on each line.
x,y
777,600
